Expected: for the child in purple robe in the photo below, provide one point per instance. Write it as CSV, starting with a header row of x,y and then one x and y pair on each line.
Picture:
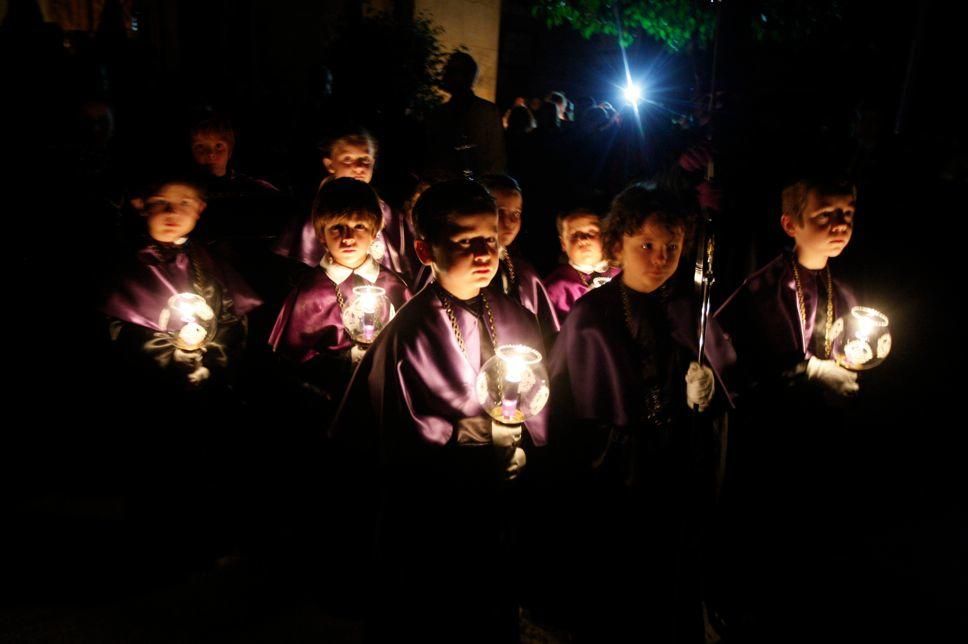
x,y
786,487
352,155
516,277
177,321
309,330
779,318
624,377
242,217
168,264
243,212
580,234
446,473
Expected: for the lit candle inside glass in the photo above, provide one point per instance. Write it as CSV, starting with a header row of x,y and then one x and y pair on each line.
x,y
194,313
515,367
858,350
368,304
512,385
365,316
862,339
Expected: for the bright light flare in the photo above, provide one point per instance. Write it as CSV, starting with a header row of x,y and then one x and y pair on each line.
x,y
632,93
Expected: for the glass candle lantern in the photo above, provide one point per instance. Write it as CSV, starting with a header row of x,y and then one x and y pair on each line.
x,y
513,385
861,340
366,315
189,320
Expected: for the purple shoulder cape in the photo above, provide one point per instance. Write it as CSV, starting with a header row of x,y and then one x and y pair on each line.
x,y
310,321
593,366
762,320
526,288
565,285
159,271
415,383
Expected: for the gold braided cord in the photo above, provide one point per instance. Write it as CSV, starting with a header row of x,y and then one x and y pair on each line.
x,y
506,256
802,308
448,305
340,300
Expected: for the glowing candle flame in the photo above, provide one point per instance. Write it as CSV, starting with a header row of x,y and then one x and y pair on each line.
x,y
866,342
512,386
193,312
368,301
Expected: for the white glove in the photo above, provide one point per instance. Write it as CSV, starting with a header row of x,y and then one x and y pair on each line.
x,y
516,464
507,438
356,354
700,385
831,375
505,435
193,360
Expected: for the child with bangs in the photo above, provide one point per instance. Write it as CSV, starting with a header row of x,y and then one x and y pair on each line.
x,y
309,329
446,476
353,155
624,379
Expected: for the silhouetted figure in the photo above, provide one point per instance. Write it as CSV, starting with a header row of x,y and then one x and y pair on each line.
x,y
464,134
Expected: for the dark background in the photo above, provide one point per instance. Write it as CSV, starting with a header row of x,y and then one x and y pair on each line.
x,y
881,93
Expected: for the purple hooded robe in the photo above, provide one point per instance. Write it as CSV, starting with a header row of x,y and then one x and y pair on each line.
x,y
443,503
566,284
633,461
145,285
162,270
762,320
518,279
793,447
310,322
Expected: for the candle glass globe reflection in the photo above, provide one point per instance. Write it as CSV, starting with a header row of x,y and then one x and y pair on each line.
x,y
513,385
189,320
862,339
366,315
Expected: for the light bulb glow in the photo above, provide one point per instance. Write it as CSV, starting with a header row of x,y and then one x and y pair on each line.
x,y
861,340
516,359
189,319
367,302
632,93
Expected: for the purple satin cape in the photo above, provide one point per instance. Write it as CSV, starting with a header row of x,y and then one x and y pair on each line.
x,y
564,286
763,323
415,384
310,321
159,271
593,363
529,291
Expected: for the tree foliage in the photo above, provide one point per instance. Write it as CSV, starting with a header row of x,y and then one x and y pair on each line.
x,y
388,86
677,23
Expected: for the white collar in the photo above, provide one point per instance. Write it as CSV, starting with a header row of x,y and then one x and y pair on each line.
x,y
368,270
600,267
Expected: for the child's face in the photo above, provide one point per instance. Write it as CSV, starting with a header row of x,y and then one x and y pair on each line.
x,y
348,239
211,153
650,256
466,260
353,161
509,204
581,239
173,212
828,221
